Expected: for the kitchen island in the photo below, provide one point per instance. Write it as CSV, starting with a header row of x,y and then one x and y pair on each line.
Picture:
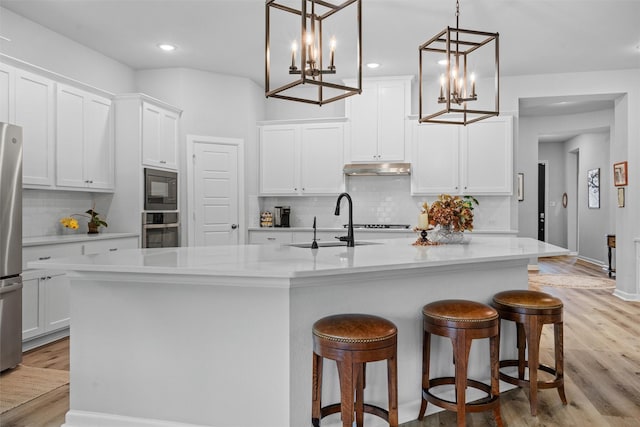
x,y
221,336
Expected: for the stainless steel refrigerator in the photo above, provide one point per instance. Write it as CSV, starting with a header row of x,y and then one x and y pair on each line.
x,y
10,246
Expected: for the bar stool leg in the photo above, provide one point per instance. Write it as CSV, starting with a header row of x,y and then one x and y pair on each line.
x,y
316,392
426,352
461,348
533,330
392,381
559,346
346,374
494,348
522,344
359,408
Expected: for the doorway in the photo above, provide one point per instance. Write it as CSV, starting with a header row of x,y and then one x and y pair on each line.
x,y
542,201
216,191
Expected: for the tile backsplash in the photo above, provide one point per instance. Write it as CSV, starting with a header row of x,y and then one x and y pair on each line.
x,y
381,200
43,209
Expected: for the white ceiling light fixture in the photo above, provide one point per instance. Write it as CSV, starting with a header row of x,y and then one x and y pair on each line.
x,y
167,47
308,53
453,97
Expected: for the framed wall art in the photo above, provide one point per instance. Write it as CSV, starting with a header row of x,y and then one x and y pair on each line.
x,y
620,174
593,186
520,187
621,197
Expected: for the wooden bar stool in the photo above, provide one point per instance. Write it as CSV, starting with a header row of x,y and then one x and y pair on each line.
x,y
531,310
352,340
462,321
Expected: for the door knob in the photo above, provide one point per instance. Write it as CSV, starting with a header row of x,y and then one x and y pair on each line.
x,y
234,226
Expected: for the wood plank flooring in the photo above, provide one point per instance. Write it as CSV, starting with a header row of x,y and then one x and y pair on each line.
x,y
602,367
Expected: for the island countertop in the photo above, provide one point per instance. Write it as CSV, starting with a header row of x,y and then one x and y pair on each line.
x,y
289,261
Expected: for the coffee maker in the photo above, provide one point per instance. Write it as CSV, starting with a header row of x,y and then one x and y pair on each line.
x,y
281,216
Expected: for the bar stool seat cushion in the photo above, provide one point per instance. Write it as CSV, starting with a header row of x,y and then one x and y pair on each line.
x,y
527,302
355,331
459,314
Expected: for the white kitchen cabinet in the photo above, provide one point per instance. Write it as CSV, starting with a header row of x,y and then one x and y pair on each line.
x,y
279,166
377,120
159,136
476,159
46,294
84,135
302,159
27,100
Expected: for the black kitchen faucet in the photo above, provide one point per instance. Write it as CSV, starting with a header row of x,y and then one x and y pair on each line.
x,y
349,237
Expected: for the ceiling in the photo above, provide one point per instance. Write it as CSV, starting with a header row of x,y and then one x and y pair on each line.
x,y
227,36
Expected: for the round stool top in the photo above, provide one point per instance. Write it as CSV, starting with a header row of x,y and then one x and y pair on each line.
x,y
527,302
456,313
354,328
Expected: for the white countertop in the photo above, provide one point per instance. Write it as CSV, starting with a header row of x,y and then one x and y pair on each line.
x,y
72,238
285,261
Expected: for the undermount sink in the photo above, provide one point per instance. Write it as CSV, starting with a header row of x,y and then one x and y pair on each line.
x,y
331,244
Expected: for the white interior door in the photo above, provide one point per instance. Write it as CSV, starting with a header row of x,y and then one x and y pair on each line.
x,y
216,190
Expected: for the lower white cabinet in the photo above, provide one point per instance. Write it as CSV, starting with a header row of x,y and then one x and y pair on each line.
x,y
45,305
46,295
270,237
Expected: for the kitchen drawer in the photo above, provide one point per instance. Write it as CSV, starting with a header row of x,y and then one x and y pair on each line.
x,y
321,236
270,237
43,252
109,245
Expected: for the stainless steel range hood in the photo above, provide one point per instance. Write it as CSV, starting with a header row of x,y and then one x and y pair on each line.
x,y
380,169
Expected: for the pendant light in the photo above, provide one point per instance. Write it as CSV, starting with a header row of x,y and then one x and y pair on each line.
x,y
450,64
307,77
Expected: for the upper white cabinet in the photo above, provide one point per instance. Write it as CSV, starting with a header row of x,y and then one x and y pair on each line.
x,y
27,100
84,135
476,159
301,159
377,120
159,136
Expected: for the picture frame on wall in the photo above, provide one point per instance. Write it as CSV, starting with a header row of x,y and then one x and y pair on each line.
x,y
520,187
620,174
621,197
593,187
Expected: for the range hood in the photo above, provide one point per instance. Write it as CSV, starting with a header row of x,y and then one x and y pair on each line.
x,y
383,169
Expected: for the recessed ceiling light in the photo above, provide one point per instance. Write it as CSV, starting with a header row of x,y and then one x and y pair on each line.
x,y
373,65
167,47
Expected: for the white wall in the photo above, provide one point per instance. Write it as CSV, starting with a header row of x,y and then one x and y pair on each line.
x,y
37,45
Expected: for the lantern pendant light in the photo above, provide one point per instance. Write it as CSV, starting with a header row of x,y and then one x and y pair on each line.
x,y
307,67
457,99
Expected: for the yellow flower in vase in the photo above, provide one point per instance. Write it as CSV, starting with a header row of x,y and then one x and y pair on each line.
x,y
69,222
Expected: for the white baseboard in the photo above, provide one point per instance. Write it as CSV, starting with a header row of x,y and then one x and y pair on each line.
x,y
76,418
44,339
626,296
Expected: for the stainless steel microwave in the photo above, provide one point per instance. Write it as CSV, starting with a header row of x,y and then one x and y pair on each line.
x,y
160,190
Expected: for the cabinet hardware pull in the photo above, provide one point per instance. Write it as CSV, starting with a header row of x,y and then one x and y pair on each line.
x,y
113,249
163,161
271,238
48,277
43,258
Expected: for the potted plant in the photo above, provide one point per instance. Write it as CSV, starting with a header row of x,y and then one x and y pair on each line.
x,y
453,215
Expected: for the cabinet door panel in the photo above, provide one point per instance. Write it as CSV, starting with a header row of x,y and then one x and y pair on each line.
x,y
32,321
150,134
488,157
322,162
57,291
6,93
98,154
70,137
435,160
278,160
391,121
168,140
363,115
34,105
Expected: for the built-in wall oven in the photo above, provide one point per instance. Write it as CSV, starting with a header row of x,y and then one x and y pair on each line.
x,y
160,190
160,219
160,229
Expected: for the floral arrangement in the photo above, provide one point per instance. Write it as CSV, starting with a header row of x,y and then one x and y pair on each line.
x,y
94,220
453,211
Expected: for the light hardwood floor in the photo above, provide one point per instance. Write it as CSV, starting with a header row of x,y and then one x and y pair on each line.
x,y
602,367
